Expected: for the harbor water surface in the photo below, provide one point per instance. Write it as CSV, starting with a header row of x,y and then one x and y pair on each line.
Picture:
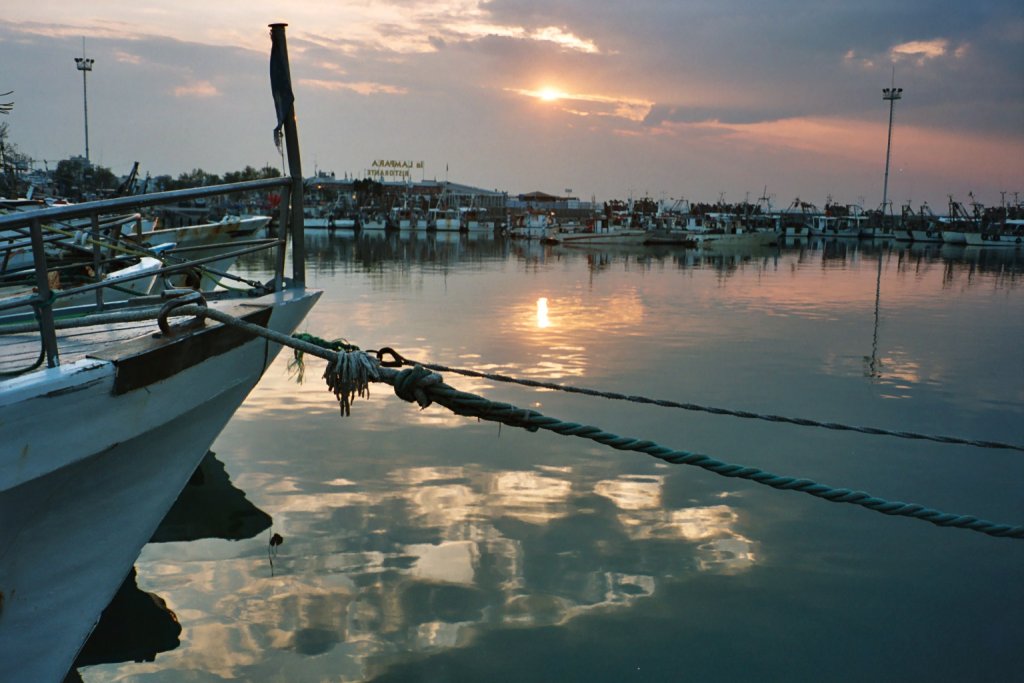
x,y
416,545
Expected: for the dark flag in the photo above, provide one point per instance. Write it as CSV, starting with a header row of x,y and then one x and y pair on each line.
x,y
280,84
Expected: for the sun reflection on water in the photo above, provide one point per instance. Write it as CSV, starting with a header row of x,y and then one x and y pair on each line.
x,y
543,320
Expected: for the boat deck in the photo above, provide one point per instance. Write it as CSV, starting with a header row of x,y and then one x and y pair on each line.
x,y
20,350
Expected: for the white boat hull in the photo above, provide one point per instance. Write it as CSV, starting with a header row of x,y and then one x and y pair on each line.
x,y
77,511
205,241
711,240
625,236
926,235
528,233
979,239
447,225
329,223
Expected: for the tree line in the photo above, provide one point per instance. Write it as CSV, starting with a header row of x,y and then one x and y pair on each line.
x,y
77,179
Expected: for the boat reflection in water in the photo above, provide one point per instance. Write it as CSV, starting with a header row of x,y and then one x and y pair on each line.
x,y
137,625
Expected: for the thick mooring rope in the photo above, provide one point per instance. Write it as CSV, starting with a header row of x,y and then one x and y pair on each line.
x,y
803,422
472,405
350,377
423,386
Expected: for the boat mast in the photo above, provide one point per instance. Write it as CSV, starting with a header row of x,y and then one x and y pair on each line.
x,y
284,102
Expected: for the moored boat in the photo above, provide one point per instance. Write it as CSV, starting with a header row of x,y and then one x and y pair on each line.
x,y
716,240
531,225
444,220
1009,234
106,416
203,241
599,234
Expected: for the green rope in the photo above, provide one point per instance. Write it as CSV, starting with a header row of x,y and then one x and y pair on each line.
x,y
297,365
335,345
42,346
799,421
423,386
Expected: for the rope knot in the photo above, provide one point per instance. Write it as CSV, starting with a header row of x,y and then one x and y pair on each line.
x,y
411,385
350,376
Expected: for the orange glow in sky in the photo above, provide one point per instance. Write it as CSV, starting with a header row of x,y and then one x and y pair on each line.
x,y
613,107
549,94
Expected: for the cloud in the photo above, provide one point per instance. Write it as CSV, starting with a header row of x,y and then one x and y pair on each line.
x,y
852,58
920,50
565,40
663,113
127,57
582,104
363,88
197,89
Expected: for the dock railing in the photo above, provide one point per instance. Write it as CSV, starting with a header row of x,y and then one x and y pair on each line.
x,y
52,228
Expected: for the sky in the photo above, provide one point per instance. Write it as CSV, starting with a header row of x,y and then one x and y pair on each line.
x,y
603,99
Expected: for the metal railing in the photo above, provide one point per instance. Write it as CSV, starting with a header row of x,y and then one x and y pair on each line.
x,y
52,227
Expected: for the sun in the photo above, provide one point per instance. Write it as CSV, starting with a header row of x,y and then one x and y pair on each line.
x,y
550,94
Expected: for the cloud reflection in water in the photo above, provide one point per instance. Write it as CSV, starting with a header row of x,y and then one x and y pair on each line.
x,y
428,558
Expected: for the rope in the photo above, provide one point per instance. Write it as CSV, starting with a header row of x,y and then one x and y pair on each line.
x,y
803,422
39,359
298,366
348,375
462,403
423,386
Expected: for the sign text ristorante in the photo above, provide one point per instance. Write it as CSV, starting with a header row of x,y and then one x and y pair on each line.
x,y
393,169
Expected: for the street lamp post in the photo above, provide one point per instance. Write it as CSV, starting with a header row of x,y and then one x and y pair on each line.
x,y
84,64
891,95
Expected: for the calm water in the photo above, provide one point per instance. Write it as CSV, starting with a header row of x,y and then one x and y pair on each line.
x,y
419,546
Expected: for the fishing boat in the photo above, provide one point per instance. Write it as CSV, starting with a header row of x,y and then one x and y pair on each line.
x,y
599,232
404,218
923,226
795,222
444,219
63,241
121,285
1008,234
331,217
714,239
955,227
107,413
220,239
531,225
372,221
737,230
444,216
475,219
839,221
